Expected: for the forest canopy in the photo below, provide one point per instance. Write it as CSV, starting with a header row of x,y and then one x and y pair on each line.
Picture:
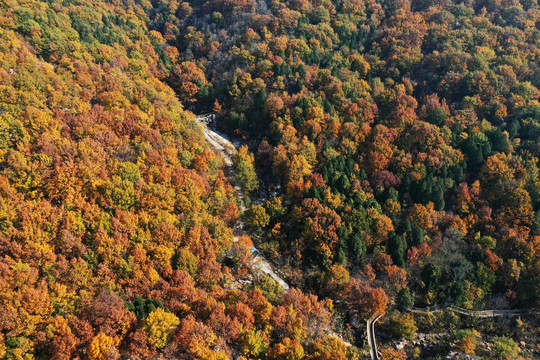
x,y
389,160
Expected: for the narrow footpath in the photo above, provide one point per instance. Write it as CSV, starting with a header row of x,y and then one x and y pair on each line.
x,y
223,145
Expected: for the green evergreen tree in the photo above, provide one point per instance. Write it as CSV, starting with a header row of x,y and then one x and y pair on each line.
x,y
260,99
431,275
396,248
417,236
357,247
343,185
500,141
438,199
404,299
437,116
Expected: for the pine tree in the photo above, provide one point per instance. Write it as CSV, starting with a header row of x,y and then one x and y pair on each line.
x,y
357,247
404,299
438,198
396,248
417,236
500,141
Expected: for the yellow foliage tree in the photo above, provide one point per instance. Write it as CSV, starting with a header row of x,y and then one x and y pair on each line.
x,y
245,169
392,354
330,348
100,346
466,340
287,350
253,343
257,217
405,326
159,326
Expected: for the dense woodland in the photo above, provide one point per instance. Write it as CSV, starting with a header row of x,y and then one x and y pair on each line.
x,y
402,140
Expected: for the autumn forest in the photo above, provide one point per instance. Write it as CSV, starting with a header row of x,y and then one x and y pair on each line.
x,y
260,179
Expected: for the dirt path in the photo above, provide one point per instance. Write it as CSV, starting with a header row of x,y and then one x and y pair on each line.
x,y
226,149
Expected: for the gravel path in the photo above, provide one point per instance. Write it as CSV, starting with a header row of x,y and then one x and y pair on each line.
x,y
226,149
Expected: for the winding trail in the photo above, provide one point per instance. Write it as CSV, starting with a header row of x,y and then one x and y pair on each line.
x,y
222,144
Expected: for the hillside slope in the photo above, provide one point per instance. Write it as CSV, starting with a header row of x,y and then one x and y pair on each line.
x,y
115,215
